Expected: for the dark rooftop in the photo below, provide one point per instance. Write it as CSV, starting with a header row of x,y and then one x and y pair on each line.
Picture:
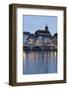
x,y
42,33
26,33
55,35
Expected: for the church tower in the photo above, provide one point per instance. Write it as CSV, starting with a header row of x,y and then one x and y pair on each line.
x,y
46,28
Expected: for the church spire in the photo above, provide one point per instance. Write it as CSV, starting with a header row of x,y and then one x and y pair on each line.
x,y
46,28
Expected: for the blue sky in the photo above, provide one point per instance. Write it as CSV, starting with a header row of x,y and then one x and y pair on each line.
x,y
33,23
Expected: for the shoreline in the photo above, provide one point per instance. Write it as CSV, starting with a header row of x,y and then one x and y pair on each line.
x,y
39,49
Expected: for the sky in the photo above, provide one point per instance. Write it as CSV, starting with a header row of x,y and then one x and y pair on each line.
x,y
32,23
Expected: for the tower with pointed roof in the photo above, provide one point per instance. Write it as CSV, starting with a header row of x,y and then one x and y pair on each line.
x,y
46,28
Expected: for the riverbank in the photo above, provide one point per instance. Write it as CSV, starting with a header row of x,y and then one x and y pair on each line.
x,y
36,48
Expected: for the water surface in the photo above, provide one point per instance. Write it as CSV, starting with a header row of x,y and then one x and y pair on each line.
x,y
39,62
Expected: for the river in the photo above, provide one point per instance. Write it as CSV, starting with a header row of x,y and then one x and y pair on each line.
x,y
39,62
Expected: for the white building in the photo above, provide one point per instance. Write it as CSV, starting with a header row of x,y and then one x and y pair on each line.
x,y
25,37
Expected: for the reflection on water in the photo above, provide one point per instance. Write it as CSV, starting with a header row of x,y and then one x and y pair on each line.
x,y
39,62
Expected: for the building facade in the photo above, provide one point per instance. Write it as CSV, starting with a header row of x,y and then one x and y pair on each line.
x,y
41,38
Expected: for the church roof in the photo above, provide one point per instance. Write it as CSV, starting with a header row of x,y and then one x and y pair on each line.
x,y
43,32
